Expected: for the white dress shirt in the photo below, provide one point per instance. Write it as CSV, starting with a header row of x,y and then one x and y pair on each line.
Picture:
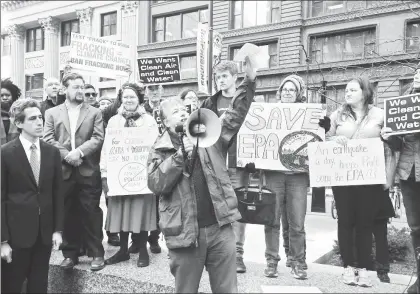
x,y
73,113
27,147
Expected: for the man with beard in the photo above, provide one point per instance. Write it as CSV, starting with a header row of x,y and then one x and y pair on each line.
x,y
77,130
9,94
52,89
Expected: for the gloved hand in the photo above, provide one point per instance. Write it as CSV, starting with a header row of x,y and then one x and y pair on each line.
x,y
250,168
325,123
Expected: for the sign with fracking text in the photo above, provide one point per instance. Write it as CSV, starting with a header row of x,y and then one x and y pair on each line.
x,y
402,114
159,70
275,136
99,56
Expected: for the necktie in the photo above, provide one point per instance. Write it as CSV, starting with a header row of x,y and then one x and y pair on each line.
x,y
34,162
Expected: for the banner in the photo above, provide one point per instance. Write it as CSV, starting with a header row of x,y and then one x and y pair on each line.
x,y
156,116
127,150
217,55
202,57
159,69
99,56
359,162
275,136
402,114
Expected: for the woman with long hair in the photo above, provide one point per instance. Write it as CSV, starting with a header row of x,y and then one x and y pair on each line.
x,y
9,94
130,213
357,206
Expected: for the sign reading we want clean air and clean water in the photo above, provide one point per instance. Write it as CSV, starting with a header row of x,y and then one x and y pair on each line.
x,y
99,56
402,114
160,69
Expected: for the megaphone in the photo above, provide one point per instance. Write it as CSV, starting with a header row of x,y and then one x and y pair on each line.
x,y
212,124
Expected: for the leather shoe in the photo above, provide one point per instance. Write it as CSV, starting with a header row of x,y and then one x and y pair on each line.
x,y
143,260
118,257
240,265
68,263
155,247
97,264
113,239
134,249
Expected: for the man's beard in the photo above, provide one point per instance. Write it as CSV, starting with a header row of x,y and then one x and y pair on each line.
x,y
5,105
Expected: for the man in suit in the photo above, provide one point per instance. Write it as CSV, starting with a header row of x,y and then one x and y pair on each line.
x,y
77,130
31,202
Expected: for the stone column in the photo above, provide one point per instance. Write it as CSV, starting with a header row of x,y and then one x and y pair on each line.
x,y
129,25
51,53
85,20
17,56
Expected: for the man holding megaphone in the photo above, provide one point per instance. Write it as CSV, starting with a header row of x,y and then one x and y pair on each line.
x,y
187,167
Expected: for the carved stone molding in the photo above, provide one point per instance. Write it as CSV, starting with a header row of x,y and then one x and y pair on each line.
x,y
64,57
167,44
12,5
34,62
262,28
129,8
392,6
49,24
16,31
85,15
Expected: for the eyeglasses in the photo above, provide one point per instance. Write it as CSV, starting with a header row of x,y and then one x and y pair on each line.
x,y
288,90
91,94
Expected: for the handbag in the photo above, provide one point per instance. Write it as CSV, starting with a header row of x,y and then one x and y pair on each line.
x,y
256,203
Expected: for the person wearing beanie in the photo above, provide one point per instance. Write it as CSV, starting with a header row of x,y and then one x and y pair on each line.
x,y
408,171
104,102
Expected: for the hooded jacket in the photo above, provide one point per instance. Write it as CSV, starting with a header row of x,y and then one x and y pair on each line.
x,y
168,176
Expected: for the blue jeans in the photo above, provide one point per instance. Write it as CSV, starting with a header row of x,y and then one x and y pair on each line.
x,y
292,189
215,251
411,198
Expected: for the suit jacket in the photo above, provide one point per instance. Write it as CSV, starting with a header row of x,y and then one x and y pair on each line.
x,y
27,208
89,136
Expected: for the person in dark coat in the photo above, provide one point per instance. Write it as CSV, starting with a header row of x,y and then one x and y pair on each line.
x,y
54,95
9,94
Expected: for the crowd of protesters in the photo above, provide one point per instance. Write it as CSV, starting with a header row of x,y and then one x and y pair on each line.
x,y
197,213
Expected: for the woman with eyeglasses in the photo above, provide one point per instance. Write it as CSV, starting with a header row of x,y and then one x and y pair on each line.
x,y
130,213
90,96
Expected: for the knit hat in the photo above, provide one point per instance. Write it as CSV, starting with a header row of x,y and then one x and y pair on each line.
x,y
299,84
105,98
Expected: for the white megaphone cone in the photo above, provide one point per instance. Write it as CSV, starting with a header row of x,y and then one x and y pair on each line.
x,y
212,124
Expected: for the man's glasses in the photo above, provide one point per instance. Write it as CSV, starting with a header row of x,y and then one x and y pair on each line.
x,y
91,94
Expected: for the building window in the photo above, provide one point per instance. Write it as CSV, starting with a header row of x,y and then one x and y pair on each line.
x,y
109,24
324,7
254,13
105,80
413,36
188,67
68,27
344,46
7,46
179,26
269,48
109,92
268,97
160,1
34,39
35,82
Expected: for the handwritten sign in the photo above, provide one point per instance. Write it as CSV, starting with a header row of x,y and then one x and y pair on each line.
x,y
159,70
127,150
402,114
99,56
359,162
275,136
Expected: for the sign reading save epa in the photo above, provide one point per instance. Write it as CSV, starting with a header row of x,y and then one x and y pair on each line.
x,y
402,114
160,69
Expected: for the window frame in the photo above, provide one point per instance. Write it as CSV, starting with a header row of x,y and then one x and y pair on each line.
x,y
232,14
409,22
257,43
63,24
342,33
103,15
181,15
180,67
35,43
101,92
266,95
30,79
7,52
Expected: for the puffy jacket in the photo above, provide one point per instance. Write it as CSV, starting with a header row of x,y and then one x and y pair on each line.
x,y
168,178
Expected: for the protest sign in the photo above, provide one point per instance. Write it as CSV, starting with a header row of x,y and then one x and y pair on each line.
x,y
159,69
127,150
202,56
156,116
217,55
402,114
99,56
275,136
359,162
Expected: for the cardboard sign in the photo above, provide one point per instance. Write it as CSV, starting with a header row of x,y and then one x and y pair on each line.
x,y
127,150
402,114
359,162
99,56
202,57
275,136
159,70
